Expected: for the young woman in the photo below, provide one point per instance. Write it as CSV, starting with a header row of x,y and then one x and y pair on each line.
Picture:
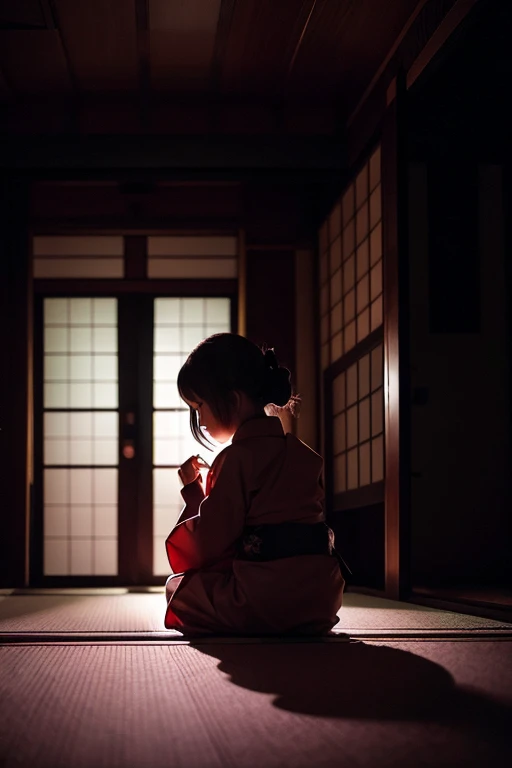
x,y
251,553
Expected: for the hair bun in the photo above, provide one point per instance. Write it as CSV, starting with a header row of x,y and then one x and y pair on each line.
x,y
271,359
277,387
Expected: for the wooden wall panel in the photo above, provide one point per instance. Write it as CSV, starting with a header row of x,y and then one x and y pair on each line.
x,y
270,306
135,205
461,528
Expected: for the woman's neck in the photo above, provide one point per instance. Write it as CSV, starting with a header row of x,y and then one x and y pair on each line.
x,y
248,410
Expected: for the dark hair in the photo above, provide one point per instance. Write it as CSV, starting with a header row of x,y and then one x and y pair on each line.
x,y
226,363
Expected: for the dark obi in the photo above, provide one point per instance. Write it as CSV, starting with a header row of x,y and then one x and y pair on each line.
x,y
272,542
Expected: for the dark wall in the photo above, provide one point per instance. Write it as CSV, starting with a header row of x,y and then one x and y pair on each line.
x,y
271,301
359,534
460,416
15,418
459,259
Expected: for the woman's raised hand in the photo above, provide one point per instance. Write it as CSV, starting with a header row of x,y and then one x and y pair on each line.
x,y
190,470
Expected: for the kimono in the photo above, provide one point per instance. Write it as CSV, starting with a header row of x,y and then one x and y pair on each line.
x,y
262,481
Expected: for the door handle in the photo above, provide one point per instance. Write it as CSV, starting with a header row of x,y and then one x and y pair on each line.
x,y
128,435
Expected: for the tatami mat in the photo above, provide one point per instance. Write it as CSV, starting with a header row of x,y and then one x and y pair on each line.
x,y
360,705
121,612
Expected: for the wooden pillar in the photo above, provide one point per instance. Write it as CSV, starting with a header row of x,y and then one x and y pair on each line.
x,y
242,285
306,357
15,383
396,344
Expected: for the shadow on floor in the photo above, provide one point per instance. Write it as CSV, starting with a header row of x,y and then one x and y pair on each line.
x,y
354,680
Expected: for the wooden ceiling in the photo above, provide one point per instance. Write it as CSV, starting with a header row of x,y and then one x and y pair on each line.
x,y
168,65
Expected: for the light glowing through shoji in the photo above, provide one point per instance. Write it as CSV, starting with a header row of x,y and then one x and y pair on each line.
x,y
358,423
179,325
181,257
80,430
351,271
78,256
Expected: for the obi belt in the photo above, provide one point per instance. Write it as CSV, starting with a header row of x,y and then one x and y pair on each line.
x,y
272,542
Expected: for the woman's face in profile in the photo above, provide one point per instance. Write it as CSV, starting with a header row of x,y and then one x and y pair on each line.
x,y
209,423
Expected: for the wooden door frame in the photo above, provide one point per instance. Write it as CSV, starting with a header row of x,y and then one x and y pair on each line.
x,y
135,541
397,395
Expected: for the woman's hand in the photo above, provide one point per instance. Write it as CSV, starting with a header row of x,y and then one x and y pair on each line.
x,y
190,470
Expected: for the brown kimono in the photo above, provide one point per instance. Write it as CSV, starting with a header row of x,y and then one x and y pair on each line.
x,y
222,582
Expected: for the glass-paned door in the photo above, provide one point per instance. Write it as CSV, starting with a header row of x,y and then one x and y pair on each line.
x,y
179,325
80,437
111,432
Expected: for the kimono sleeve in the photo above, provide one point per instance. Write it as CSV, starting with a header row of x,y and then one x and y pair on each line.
x,y
211,535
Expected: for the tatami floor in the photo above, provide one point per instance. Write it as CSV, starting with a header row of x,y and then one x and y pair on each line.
x,y
91,678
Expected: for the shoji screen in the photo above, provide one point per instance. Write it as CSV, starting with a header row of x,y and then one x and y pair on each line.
x,y
80,433
351,266
77,257
192,257
179,325
351,309
358,424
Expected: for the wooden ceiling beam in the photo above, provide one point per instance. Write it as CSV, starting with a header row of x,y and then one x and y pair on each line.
x,y
185,155
380,71
449,24
172,116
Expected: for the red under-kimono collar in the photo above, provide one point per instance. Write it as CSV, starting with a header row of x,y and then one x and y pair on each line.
x,y
261,426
